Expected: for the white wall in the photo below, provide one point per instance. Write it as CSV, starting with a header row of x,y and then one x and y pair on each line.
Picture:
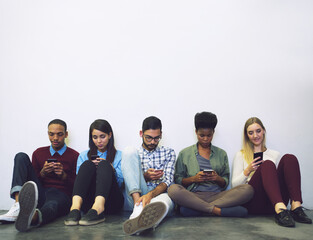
x,y
126,60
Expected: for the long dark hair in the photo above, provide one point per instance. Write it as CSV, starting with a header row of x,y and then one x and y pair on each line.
x,y
103,126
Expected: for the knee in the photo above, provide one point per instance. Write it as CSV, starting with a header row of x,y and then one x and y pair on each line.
x,y
105,164
248,190
268,164
173,189
129,156
21,158
128,152
87,164
289,158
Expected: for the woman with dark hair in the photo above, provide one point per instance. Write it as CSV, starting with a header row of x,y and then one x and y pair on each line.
x,y
202,175
273,187
99,178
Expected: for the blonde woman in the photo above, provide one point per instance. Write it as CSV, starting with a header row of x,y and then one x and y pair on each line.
x,y
273,187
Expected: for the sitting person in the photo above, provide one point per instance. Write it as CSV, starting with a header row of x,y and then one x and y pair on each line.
x,y
273,188
202,175
99,178
45,183
148,172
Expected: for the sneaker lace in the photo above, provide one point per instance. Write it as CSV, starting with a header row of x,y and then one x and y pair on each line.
x,y
14,210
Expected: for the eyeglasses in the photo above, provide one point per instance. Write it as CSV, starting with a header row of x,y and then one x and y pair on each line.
x,y
149,138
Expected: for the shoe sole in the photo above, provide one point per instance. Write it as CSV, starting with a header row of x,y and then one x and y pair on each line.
x,y
88,223
70,223
7,220
148,218
28,198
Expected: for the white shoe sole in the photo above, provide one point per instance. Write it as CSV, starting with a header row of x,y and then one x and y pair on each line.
x,y
28,198
150,216
5,219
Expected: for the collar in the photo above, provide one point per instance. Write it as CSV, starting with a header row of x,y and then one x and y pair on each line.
x,y
102,154
195,148
61,151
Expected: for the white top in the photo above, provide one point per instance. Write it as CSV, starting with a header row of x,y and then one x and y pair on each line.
x,y
240,164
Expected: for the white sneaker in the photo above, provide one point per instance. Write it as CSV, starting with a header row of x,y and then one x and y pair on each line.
x,y
136,211
12,214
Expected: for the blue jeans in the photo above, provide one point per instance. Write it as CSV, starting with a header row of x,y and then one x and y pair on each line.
x,y
52,202
133,177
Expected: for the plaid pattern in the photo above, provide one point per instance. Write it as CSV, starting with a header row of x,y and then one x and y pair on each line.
x,y
160,158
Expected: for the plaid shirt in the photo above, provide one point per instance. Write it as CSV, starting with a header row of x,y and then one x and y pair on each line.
x,y
160,158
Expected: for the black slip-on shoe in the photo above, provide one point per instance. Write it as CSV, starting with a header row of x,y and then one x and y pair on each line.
x,y
284,219
72,218
299,216
92,218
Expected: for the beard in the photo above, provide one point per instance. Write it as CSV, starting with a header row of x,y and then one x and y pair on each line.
x,y
149,147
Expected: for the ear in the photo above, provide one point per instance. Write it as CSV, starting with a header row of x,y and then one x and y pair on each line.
x,y
141,133
66,134
110,135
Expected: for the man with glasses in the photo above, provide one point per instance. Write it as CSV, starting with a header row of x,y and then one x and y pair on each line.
x,y
148,172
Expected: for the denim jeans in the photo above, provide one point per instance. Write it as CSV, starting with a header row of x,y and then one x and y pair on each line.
x,y
135,181
52,202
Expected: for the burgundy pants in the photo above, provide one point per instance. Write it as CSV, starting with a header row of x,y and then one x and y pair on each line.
x,y
273,185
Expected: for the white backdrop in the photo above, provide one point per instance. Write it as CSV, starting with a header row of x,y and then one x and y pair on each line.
x,y
126,60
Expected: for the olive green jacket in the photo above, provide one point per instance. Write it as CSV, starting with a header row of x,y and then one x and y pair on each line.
x,y
187,164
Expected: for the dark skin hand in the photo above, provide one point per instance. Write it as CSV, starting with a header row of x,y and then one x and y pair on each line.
x,y
201,177
55,167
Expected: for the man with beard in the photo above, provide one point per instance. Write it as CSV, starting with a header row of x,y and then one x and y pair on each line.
x,y
148,172
42,188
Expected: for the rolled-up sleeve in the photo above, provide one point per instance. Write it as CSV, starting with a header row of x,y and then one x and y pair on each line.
x,y
169,167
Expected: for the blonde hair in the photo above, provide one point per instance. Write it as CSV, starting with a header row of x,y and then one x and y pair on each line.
x,y
247,146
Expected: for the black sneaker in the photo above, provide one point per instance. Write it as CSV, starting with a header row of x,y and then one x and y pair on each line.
x,y
28,198
72,218
284,219
299,216
92,218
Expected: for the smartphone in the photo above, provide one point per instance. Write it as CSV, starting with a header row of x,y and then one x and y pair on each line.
x,y
258,154
209,171
52,160
94,157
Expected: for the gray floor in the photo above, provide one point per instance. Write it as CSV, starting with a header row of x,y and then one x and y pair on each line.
x,y
176,227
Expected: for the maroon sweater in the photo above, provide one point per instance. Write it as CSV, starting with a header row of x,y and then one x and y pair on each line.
x,y
68,160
